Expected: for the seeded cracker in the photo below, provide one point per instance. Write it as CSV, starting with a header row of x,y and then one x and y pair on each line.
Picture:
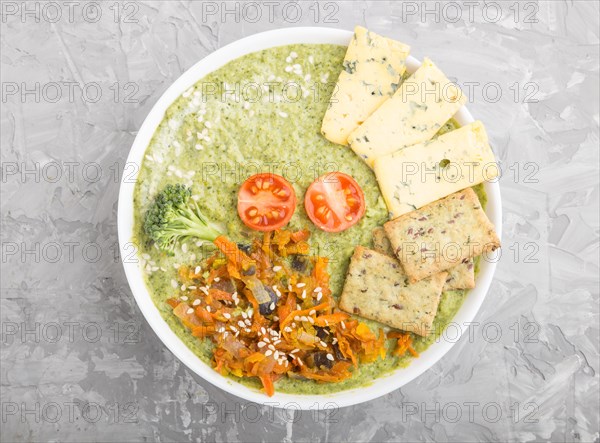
x,y
461,276
441,235
378,289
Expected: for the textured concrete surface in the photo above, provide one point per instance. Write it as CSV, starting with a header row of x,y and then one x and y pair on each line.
x,y
79,363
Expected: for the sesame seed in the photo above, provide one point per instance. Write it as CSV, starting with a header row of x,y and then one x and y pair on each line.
x,y
233,328
184,247
318,289
322,343
240,324
301,285
343,325
276,342
244,315
269,352
303,294
297,318
329,357
174,283
208,309
287,329
183,287
276,355
289,287
237,333
312,312
272,306
271,347
192,287
282,114
261,344
248,322
335,340
319,296
217,279
190,311
184,298
294,351
311,320
276,268
267,339
263,330
196,302
227,315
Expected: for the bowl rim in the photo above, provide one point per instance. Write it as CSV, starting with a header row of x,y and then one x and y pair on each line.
x,y
125,221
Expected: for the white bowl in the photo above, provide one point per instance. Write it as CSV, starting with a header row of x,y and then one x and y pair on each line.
x,y
378,387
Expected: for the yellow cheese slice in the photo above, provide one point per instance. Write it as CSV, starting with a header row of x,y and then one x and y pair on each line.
x,y
420,174
424,102
371,74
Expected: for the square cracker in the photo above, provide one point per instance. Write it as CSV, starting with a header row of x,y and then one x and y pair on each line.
x,y
441,235
378,289
461,276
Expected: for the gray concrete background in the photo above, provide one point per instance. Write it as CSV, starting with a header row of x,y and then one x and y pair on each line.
x,y
79,363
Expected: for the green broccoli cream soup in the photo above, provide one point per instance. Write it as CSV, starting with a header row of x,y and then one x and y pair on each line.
x,y
261,113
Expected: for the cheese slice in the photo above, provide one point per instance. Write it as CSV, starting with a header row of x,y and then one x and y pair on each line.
x,y
424,102
371,73
420,174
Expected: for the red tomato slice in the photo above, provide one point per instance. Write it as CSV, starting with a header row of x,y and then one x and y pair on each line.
x,y
266,202
334,202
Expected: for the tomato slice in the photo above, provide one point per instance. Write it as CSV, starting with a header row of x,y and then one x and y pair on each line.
x,y
334,202
266,202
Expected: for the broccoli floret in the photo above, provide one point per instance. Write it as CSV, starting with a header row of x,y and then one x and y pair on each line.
x,y
175,216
